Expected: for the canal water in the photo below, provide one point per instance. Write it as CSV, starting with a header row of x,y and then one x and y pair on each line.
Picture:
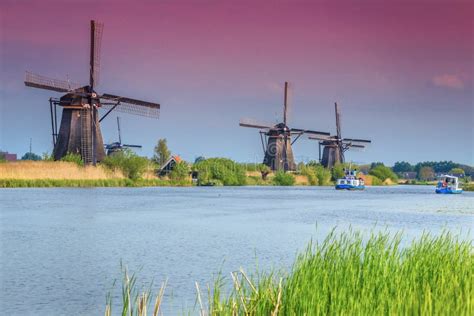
x,y
61,249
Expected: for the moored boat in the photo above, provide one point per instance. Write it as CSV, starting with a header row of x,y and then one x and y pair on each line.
x,y
350,181
448,185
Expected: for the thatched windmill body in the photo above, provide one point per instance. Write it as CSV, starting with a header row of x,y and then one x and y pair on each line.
x,y
335,146
277,139
79,131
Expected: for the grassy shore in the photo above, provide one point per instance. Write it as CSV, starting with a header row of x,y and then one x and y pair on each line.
x,y
347,274
468,187
85,183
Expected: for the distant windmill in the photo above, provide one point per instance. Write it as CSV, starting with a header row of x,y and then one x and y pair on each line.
x,y
335,146
277,143
80,130
118,146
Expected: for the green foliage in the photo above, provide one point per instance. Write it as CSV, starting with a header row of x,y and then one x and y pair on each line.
x,y
402,166
316,174
438,166
215,171
337,171
75,158
2,158
383,173
313,163
31,156
180,171
46,156
354,274
283,178
376,164
426,173
457,171
161,152
130,164
376,181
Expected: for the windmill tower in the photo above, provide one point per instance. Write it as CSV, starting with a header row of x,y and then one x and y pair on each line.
x,y
335,146
118,146
276,139
79,132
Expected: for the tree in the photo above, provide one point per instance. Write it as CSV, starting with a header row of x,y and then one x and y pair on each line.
x,y
31,156
457,171
131,165
426,173
162,153
402,166
376,164
383,173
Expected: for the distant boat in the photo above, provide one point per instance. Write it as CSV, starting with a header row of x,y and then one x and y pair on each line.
x,y
448,185
350,181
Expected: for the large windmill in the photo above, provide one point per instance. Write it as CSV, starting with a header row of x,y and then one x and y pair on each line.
x,y
79,131
276,139
118,146
335,146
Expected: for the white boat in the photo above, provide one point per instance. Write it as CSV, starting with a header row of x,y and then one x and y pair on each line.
x,y
350,181
448,185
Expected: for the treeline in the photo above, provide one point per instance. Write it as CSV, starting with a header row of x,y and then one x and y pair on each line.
x,y
428,170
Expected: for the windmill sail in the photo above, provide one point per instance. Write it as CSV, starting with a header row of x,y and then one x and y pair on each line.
x,y
80,126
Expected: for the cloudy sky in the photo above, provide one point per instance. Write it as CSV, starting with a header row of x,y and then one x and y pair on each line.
x,y
402,72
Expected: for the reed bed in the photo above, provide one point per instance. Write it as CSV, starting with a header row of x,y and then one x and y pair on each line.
x,y
81,183
347,274
60,170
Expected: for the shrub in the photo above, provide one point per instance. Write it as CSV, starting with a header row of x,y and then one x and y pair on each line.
x,y
131,165
338,171
283,178
76,158
316,174
180,171
223,170
383,173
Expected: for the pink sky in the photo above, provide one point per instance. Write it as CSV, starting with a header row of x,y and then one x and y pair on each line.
x,y
411,60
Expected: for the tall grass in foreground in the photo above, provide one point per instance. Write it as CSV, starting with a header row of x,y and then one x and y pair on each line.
x,y
348,274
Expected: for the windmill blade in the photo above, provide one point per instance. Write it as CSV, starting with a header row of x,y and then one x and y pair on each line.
x,y
307,131
254,124
96,43
357,140
130,106
131,146
338,120
355,146
42,82
321,138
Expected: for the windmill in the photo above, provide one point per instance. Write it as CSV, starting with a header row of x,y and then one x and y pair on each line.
x,y
276,139
118,146
79,132
335,146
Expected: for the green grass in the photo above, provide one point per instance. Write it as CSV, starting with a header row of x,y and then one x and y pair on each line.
x,y
49,183
468,187
346,274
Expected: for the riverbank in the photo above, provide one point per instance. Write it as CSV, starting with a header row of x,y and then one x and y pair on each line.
x,y
30,174
345,274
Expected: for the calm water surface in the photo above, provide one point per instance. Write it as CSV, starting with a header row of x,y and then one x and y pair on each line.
x,y
60,249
